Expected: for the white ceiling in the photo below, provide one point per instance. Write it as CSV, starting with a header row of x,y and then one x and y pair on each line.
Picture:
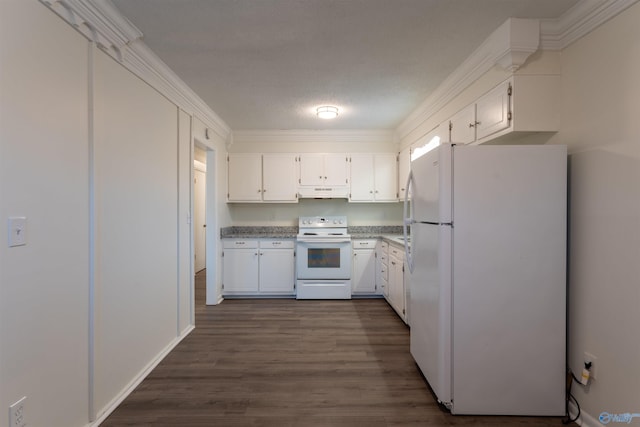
x,y
266,64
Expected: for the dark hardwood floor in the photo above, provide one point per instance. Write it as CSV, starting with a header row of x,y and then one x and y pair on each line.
x,y
285,363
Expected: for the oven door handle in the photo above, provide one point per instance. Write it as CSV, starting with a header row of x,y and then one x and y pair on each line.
x,y
321,240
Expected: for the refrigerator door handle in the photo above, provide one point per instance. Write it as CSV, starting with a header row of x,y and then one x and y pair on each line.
x,y
407,220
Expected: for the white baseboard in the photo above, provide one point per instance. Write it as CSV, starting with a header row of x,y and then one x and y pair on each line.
x,y
139,378
585,419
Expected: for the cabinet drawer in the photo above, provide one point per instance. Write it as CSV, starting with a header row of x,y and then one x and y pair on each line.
x,y
396,251
276,244
364,244
239,244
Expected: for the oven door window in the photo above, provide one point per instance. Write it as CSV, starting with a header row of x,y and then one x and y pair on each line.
x,y
323,258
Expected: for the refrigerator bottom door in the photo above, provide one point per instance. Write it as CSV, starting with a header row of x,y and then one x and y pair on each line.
x,y
430,306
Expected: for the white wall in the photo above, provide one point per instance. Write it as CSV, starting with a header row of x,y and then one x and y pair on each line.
x,y
185,265
136,226
44,169
600,110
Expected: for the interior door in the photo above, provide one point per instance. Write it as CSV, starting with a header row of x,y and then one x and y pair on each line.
x,y
199,212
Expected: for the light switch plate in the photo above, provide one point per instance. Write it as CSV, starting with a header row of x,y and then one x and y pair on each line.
x,y
17,231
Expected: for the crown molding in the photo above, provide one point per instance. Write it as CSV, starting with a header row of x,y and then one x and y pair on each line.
x,y
303,136
578,21
103,24
504,47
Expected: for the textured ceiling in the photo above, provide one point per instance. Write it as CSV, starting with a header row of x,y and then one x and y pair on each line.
x,y
266,64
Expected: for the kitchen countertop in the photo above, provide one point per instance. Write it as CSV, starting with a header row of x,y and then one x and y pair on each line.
x,y
392,233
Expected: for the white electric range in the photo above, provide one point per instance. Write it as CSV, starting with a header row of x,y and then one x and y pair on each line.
x,y
323,258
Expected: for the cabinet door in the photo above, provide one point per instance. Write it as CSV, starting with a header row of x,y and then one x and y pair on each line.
x,y
385,177
240,271
463,125
244,177
311,169
382,268
492,111
279,178
404,166
363,279
277,271
336,169
362,178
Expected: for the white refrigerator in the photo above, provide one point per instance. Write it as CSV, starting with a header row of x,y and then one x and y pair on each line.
x,y
488,276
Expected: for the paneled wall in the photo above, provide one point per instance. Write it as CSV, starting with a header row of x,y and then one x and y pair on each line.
x,y
99,163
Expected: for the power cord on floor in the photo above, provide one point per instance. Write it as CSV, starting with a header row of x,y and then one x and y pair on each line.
x,y
570,378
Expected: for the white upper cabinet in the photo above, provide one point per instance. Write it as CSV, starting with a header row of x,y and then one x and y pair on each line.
x,y
324,169
279,178
463,125
488,115
373,177
256,177
492,111
244,182
386,177
517,107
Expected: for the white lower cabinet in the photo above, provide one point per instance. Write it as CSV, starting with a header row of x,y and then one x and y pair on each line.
x,y
240,261
277,264
397,295
382,268
363,276
258,267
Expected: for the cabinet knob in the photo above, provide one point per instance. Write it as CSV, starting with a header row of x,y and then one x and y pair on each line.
x,y
474,124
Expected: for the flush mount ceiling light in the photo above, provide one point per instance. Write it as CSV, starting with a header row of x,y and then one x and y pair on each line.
x,y
327,112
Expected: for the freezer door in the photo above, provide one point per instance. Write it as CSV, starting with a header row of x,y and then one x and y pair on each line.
x,y
431,186
430,306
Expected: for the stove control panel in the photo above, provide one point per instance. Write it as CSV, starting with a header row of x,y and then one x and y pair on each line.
x,y
322,221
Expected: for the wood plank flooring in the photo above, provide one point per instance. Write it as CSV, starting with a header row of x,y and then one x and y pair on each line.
x,y
287,363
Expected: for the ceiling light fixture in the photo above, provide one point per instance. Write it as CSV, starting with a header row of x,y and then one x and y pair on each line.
x,y
327,112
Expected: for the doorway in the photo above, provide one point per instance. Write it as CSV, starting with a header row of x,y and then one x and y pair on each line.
x,y
204,222
199,213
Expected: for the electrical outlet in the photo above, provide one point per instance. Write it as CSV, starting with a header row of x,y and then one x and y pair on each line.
x,y
17,414
588,357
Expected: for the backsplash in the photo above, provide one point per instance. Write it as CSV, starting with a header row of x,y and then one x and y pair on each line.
x,y
283,214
